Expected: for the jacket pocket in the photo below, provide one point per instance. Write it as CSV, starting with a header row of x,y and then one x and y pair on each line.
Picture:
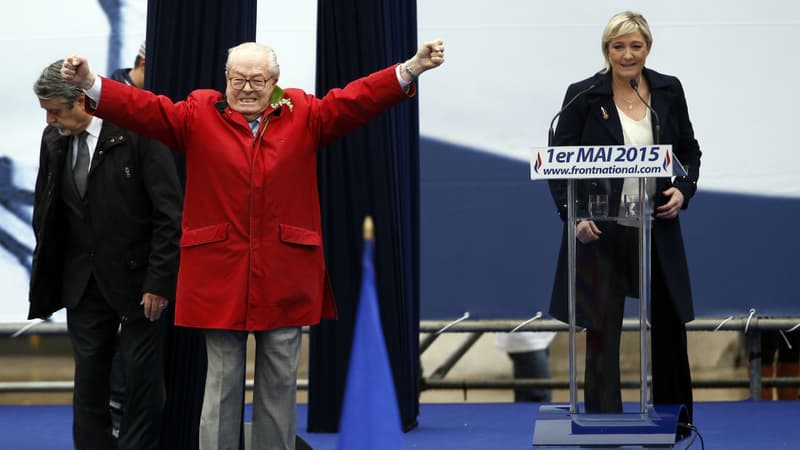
x,y
205,235
301,236
138,258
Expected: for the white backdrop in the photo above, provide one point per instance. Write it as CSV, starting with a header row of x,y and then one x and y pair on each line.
x,y
508,65
33,35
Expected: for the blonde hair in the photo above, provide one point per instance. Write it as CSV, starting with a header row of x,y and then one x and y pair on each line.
x,y
621,24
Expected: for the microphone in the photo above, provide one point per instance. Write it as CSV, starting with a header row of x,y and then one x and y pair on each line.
x,y
550,132
635,86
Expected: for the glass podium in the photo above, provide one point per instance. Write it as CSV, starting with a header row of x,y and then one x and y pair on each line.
x,y
589,198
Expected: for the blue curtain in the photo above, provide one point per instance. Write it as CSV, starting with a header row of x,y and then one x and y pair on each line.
x,y
187,42
374,171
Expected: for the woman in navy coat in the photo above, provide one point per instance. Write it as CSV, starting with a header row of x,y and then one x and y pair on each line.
x,y
611,113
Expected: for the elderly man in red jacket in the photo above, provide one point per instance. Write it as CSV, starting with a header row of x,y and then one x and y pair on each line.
x,y
251,249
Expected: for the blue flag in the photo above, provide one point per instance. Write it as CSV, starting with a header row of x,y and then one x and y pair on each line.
x,y
370,416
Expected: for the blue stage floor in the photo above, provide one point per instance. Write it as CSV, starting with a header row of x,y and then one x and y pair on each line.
x,y
465,426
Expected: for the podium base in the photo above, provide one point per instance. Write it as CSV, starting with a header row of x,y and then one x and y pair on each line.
x,y
556,428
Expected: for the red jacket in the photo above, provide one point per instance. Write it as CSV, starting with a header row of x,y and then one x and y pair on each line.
x,y
251,249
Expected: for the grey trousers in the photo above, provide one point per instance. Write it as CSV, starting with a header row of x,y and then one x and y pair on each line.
x,y
274,397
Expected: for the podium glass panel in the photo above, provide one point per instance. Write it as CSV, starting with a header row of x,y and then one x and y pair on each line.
x,y
608,261
598,267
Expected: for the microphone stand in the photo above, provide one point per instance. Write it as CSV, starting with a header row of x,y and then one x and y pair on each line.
x,y
657,124
550,132
644,258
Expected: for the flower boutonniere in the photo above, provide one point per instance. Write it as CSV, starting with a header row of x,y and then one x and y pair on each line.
x,y
281,102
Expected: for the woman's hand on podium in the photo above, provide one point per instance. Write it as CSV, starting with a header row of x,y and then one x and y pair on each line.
x,y
587,231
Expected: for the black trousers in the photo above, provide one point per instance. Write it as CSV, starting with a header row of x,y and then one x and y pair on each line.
x,y
672,381
92,327
532,364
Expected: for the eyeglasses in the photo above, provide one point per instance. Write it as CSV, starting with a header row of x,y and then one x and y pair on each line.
x,y
256,84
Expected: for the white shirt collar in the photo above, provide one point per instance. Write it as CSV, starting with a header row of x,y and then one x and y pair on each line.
x,y
95,126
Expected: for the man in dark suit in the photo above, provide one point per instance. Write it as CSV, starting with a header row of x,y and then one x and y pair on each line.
x,y
106,216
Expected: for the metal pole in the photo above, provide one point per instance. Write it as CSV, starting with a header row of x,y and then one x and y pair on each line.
x,y
454,357
709,324
644,288
571,246
753,338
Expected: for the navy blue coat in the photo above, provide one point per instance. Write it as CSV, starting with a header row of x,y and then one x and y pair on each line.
x,y
593,120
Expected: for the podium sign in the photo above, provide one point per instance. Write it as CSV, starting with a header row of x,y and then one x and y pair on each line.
x,y
549,163
559,426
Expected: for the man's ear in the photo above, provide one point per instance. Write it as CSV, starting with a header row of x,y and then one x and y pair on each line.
x,y
80,102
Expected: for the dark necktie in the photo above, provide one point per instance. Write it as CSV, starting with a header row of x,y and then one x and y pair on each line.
x,y
81,169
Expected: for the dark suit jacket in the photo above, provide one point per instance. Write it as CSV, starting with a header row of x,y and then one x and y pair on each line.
x,y
132,208
593,120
